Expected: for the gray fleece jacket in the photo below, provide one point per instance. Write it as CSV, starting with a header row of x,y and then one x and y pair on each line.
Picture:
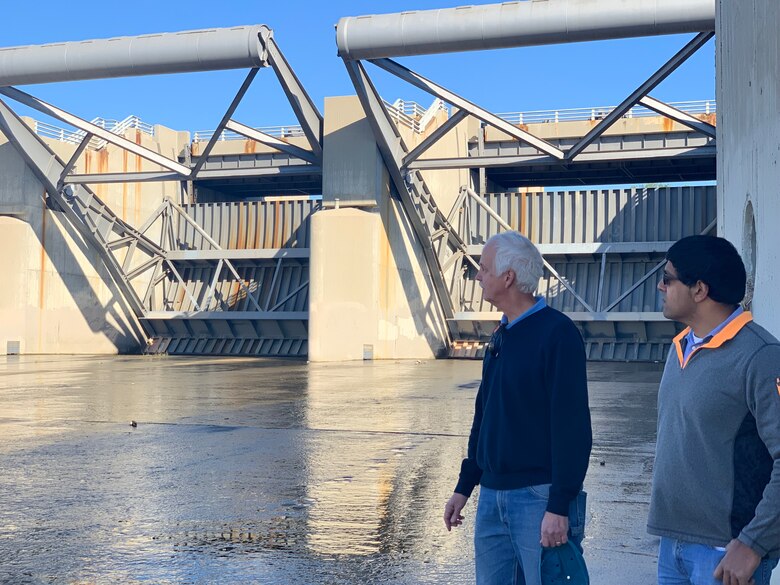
x,y
717,464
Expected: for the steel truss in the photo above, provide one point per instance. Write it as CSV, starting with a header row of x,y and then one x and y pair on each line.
x,y
174,311
448,255
307,114
607,287
600,310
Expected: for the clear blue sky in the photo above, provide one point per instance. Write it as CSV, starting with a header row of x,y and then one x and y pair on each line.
x,y
525,79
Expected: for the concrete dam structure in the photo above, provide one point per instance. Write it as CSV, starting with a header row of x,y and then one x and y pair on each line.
x,y
356,233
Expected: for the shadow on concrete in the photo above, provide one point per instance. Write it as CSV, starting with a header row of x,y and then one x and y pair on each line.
x,y
428,318
55,239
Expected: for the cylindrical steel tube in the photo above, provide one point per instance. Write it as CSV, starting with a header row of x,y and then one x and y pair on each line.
x,y
199,50
517,24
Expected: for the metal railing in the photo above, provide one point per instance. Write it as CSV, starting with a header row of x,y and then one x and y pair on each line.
x,y
411,109
597,113
276,131
413,115
76,136
407,113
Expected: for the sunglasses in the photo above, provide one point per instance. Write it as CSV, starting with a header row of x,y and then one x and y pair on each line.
x,y
494,345
668,279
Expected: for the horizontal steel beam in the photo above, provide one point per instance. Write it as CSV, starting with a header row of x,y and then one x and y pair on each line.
x,y
253,254
154,54
474,162
259,172
574,316
108,178
646,316
204,174
228,315
517,24
592,248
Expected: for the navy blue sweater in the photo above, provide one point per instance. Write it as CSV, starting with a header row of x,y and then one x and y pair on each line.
x,y
531,420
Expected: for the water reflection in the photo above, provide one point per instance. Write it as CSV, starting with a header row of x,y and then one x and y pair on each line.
x,y
266,471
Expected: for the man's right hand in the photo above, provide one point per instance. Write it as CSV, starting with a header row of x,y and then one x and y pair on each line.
x,y
452,509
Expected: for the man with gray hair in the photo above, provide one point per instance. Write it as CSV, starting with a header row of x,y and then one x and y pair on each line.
x,y
531,437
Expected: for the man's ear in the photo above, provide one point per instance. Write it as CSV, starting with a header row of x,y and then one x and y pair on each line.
x,y
701,291
509,278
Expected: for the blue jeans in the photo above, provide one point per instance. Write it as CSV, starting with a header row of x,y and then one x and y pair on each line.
x,y
507,533
688,563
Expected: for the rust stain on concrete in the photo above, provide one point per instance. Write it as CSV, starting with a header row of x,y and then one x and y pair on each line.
x,y
102,167
102,160
709,118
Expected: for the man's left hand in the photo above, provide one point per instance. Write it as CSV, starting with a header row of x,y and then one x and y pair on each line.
x,y
738,566
555,530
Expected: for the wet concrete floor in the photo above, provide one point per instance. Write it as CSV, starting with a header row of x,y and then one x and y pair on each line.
x,y
271,471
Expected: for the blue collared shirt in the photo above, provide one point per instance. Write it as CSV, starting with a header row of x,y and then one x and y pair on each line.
x,y
538,306
691,342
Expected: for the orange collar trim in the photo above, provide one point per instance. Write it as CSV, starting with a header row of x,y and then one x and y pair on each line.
x,y
726,334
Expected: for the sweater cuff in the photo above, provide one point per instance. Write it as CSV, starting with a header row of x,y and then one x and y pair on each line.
x,y
469,477
754,546
464,488
558,504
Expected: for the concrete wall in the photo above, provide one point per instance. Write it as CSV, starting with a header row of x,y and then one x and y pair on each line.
x,y
579,128
247,146
748,95
352,169
445,184
57,295
370,291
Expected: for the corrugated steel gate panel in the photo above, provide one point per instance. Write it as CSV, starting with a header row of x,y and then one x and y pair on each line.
x,y
639,222
209,297
270,223
603,216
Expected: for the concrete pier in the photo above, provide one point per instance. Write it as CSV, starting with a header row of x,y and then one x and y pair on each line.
x,y
57,296
748,94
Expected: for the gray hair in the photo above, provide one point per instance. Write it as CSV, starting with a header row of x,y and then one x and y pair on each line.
x,y
517,253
